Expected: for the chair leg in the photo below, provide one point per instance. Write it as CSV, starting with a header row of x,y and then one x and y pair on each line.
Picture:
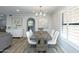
x,y
55,48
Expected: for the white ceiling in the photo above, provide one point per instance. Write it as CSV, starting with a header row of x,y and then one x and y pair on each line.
x,y
23,9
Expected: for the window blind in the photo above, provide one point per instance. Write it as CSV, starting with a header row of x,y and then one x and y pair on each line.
x,y
71,25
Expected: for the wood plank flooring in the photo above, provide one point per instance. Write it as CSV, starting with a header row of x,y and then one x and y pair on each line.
x,y
20,45
17,46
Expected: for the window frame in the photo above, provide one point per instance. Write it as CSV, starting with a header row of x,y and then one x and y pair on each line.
x,y
67,24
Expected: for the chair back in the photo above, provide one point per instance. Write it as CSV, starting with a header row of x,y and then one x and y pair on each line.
x,y
55,37
28,36
31,32
52,33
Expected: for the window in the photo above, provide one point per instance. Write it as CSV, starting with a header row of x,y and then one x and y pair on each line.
x,y
71,25
30,23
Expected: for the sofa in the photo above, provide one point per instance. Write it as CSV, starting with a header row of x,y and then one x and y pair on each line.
x,y
5,40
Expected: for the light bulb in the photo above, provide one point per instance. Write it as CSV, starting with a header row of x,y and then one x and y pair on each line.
x,y
36,14
40,13
44,14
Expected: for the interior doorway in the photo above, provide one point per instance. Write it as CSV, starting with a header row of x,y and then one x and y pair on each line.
x,y
31,24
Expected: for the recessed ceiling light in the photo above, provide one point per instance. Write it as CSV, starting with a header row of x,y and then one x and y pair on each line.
x,y
1,15
17,10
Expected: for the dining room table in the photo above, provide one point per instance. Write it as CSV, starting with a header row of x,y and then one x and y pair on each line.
x,y
41,37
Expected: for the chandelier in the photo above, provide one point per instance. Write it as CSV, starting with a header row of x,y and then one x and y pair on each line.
x,y
40,11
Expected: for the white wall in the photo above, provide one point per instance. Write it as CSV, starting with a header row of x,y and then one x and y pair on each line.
x,y
56,21
23,27
66,46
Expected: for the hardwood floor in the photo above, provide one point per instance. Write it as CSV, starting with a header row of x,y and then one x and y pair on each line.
x,y
20,45
17,46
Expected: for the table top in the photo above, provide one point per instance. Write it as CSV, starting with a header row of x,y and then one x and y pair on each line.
x,y
41,35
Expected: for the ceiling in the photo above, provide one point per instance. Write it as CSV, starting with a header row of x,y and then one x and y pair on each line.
x,y
24,9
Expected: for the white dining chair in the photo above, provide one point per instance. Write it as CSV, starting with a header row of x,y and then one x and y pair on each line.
x,y
28,39
53,42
